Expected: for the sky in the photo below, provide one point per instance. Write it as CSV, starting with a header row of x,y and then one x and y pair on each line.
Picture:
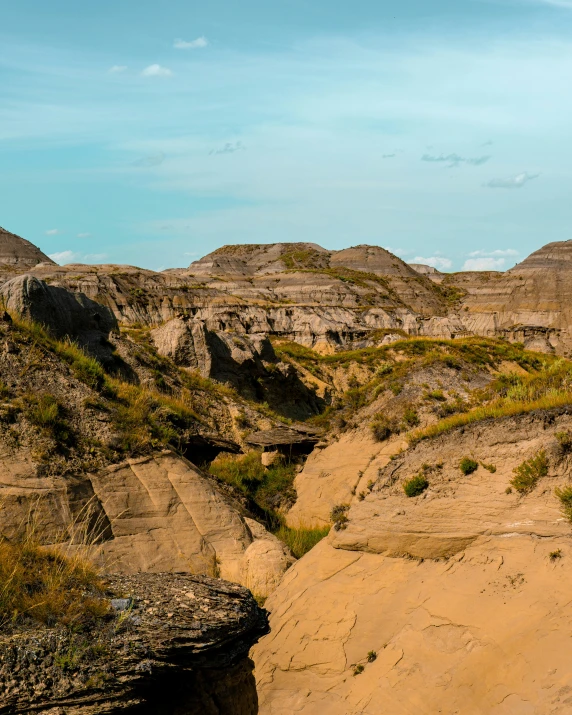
x,y
149,133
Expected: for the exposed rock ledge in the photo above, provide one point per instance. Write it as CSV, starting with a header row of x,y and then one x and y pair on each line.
x,y
181,647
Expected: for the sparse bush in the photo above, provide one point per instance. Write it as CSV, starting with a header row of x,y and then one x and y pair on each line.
x,y
47,413
358,669
415,486
565,441
371,656
565,496
396,388
555,555
489,467
527,474
242,421
382,427
339,516
468,466
410,417
437,395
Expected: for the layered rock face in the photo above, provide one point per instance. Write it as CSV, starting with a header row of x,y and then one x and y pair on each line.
x,y
18,253
178,646
452,601
154,513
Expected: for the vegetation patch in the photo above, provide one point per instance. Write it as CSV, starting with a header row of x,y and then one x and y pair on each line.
x,y
300,541
564,494
527,474
43,585
468,466
339,516
416,485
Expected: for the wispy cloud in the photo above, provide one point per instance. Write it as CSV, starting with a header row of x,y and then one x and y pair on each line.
x,y
439,262
63,257
52,232
117,69
86,234
511,182
156,71
229,148
148,161
454,159
484,264
498,252
197,44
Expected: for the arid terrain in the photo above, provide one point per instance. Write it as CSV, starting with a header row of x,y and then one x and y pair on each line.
x,y
380,454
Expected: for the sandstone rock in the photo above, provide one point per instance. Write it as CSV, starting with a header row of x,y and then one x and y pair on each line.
x,y
155,513
473,623
180,649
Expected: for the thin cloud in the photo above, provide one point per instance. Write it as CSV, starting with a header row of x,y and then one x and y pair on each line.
x,y
498,252
438,262
511,182
94,257
197,44
63,257
52,232
148,161
156,71
86,234
388,156
117,69
228,148
484,264
454,159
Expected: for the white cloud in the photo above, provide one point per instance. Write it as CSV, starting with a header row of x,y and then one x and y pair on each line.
x,y
511,182
498,252
438,262
63,257
197,44
156,71
52,232
84,235
117,69
94,257
484,264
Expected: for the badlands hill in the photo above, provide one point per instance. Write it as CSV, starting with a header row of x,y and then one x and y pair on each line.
x,y
382,453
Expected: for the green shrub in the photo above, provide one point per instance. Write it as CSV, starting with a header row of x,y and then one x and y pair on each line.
x,y
339,516
468,466
527,474
565,441
371,656
48,414
437,395
555,555
415,486
489,467
410,417
565,496
382,427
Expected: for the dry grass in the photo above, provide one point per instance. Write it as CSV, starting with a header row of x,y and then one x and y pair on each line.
x,y
47,586
300,541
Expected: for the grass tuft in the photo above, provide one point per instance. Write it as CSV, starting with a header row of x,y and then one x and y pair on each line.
x,y
415,486
527,474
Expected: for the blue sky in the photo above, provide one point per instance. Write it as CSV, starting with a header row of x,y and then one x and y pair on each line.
x,y
151,134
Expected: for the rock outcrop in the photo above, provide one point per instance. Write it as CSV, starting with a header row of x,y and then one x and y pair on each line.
x,y
452,601
154,513
18,253
178,645
64,313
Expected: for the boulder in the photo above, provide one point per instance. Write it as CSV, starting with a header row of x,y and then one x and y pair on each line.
x,y
62,312
177,644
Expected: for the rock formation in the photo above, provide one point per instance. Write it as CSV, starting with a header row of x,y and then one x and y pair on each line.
x,y
452,601
178,645
18,253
